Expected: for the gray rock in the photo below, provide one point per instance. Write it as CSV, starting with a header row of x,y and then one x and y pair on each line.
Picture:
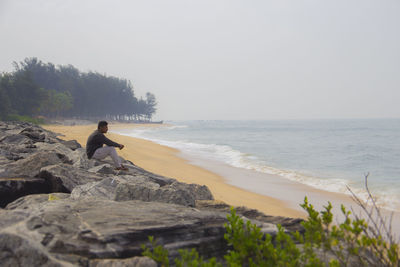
x,y
36,134
16,139
29,200
104,169
31,165
65,177
80,160
129,187
200,192
290,224
71,144
16,250
77,230
137,171
131,262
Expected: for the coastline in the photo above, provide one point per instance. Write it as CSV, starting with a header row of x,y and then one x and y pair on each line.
x,y
167,161
271,194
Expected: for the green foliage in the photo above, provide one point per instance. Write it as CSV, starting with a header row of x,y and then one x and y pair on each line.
x,y
16,117
323,243
157,253
37,88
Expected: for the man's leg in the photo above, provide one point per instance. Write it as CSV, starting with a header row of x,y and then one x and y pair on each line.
x,y
103,152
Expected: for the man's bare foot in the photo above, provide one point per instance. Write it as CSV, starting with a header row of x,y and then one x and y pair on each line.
x,y
122,168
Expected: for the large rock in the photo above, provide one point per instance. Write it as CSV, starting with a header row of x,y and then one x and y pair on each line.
x,y
27,201
129,187
290,224
65,177
16,250
71,144
78,230
30,166
137,171
80,160
130,262
16,139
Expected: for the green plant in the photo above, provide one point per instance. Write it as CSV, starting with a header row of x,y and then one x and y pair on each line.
x,y
16,117
349,243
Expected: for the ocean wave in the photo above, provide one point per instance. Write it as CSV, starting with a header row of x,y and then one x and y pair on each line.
x,y
228,155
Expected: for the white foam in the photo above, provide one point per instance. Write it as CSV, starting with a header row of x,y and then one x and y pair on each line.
x,y
235,158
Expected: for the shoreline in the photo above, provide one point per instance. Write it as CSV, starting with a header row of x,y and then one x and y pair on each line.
x,y
271,194
167,161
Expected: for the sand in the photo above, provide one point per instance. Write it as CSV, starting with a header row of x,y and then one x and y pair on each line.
x,y
168,162
270,194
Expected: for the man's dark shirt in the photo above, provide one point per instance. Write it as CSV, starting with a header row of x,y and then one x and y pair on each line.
x,y
97,140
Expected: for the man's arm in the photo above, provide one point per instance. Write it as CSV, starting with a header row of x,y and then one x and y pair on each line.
x,y
108,142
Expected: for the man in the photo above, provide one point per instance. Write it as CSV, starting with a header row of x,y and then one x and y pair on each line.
x,y
95,149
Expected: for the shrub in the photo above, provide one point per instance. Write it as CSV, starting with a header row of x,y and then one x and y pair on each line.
x,y
349,243
16,117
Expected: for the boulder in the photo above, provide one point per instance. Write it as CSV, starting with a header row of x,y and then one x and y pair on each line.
x,y
29,200
36,134
16,250
71,144
130,262
80,160
78,230
290,224
30,166
129,187
65,177
104,169
16,139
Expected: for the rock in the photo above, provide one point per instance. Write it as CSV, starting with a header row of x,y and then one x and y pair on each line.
x,y
102,189
27,201
77,230
200,192
16,139
36,134
129,187
104,169
56,147
19,251
13,188
71,144
65,177
290,224
158,179
130,262
80,160
137,171
31,165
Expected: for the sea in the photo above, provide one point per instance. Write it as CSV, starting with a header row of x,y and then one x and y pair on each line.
x,y
332,155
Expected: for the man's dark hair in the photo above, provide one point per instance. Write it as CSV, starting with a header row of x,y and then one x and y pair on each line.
x,y
101,124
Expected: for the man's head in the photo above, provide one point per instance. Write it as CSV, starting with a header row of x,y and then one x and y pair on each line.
x,y
102,126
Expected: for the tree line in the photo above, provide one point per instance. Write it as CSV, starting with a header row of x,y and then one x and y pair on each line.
x,y
35,88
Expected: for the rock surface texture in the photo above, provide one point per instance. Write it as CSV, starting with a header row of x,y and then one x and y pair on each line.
x,y
57,208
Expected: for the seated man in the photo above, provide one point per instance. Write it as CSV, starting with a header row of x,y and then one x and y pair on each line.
x,y
95,149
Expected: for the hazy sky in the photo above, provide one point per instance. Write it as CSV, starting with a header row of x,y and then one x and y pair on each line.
x,y
223,59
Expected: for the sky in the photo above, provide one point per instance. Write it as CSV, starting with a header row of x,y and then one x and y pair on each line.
x,y
223,59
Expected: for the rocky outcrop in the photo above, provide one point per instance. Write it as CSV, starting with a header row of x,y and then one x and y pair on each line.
x,y
61,209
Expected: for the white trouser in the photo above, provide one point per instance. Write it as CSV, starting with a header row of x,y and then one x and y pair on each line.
x,y
105,151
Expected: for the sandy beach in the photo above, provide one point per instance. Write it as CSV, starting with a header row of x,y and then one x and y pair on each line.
x,y
269,194
166,161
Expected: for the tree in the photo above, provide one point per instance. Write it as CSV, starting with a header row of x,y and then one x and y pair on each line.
x,y
150,105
